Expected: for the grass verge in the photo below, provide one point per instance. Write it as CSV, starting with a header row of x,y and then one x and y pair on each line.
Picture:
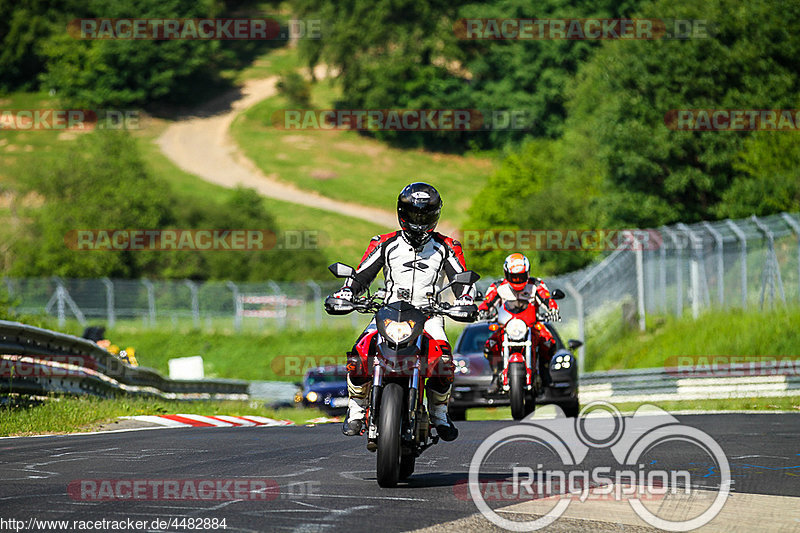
x,y
716,333
75,414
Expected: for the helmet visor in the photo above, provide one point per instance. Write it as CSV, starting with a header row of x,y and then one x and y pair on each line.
x,y
419,217
517,277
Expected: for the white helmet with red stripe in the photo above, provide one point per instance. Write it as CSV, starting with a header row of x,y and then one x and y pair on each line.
x,y
517,268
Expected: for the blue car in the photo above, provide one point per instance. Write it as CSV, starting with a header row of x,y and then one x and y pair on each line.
x,y
324,388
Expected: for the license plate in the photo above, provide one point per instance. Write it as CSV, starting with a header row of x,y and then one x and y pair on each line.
x,y
338,402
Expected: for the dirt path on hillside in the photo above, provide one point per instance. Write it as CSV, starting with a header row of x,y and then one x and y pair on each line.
x,y
201,144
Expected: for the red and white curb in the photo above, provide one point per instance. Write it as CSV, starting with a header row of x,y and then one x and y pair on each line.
x,y
179,421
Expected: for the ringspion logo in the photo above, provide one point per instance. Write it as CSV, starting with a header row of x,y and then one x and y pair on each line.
x,y
637,471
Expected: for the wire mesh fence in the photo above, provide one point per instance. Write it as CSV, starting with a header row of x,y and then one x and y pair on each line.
x,y
749,263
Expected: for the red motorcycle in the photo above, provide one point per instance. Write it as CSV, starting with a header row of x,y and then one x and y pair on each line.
x,y
516,333
398,426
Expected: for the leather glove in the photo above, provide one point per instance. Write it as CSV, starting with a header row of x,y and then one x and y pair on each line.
x,y
553,315
345,293
463,300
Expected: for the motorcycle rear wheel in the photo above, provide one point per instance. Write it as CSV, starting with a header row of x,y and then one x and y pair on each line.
x,y
389,426
516,382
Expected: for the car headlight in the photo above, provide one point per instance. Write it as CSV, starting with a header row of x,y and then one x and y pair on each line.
x,y
398,331
516,329
562,361
312,396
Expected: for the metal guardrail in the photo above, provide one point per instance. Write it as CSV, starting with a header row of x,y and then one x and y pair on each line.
x,y
666,384
40,361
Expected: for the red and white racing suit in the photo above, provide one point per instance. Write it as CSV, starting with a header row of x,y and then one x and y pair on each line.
x,y
411,274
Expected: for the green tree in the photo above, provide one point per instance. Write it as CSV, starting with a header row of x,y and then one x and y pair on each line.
x,y
652,174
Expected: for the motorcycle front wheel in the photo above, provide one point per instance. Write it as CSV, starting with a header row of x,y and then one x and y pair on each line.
x,y
516,382
389,426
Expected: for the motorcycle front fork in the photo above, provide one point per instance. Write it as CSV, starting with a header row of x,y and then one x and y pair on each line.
x,y
415,393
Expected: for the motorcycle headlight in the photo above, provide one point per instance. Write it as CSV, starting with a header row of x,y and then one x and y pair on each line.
x,y
398,332
312,396
516,329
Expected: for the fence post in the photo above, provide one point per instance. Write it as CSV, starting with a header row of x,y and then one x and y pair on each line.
x,y
720,243
317,301
151,301
61,299
283,308
678,270
795,225
238,308
772,270
575,293
697,268
640,286
110,311
742,257
663,273
195,302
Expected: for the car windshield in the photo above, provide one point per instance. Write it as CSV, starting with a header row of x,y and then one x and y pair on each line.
x,y
314,379
474,337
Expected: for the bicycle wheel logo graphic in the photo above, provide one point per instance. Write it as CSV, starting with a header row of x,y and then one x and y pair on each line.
x,y
629,440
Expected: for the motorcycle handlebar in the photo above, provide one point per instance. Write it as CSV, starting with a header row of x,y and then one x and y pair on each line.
x,y
339,306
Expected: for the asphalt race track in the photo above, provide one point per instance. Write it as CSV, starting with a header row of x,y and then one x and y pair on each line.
x,y
322,481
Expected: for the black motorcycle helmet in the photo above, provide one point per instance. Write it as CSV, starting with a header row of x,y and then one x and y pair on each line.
x,y
418,209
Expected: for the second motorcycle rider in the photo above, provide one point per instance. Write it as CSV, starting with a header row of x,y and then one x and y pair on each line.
x,y
414,261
